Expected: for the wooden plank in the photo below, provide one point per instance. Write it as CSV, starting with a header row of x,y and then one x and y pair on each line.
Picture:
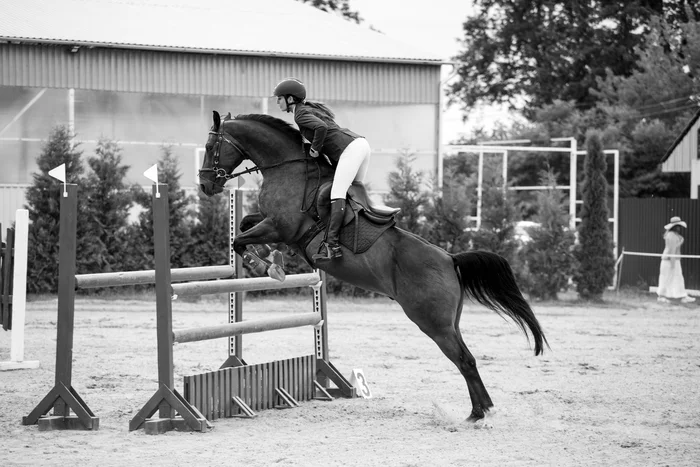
x,y
256,386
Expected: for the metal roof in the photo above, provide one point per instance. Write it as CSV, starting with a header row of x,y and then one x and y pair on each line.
x,y
280,28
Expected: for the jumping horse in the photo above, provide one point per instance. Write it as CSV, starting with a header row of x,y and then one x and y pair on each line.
x,y
426,281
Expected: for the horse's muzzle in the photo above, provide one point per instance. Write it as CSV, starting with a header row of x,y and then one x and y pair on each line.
x,y
210,188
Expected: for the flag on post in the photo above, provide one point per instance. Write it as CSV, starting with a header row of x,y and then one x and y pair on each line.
x,y
152,174
59,173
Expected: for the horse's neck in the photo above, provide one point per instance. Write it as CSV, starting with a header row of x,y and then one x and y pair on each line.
x,y
268,152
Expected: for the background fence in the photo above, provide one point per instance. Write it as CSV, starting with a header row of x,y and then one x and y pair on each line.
x,y
642,223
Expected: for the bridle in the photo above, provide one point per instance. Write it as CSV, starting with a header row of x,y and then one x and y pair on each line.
x,y
222,173
218,171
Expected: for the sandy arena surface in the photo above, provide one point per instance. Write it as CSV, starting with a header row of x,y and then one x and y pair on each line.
x,y
619,387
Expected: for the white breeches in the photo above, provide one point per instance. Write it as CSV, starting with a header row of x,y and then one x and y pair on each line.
x,y
352,166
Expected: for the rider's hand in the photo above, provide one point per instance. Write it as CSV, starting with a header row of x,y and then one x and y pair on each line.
x,y
314,153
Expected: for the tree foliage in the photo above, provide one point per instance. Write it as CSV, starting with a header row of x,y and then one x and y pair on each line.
x,y
498,216
406,192
529,54
541,51
595,249
448,216
43,203
107,209
210,234
547,260
180,219
341,7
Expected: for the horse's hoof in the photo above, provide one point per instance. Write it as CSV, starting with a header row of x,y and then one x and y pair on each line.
x,y
475,416
276,272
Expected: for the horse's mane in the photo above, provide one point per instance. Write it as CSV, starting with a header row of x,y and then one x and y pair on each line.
x,y
275,123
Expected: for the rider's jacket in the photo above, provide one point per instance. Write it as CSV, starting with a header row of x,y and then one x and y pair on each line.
x,y
325,135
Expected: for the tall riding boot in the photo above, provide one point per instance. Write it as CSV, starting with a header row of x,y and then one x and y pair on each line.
x,y
332,246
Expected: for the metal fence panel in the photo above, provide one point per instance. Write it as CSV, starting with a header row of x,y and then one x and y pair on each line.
x,y
642,223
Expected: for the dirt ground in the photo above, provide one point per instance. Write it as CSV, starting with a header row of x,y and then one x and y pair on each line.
x,y
618,387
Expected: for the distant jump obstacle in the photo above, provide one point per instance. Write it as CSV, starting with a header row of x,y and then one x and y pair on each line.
x,y
236,389
13,290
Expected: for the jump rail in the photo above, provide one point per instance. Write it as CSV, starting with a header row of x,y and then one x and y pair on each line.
x,y
246,327
244,285
116,279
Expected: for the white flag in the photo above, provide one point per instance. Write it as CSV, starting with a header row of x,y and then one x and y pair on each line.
x,y
59,173
152,173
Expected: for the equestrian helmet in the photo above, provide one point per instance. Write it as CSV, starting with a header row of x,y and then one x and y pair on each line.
x,y
291,87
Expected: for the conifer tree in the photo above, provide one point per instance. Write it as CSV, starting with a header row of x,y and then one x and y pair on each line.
x,y
180,219
595,249
448,216
547,259
210,235
108,208
406,193
43,201
497,230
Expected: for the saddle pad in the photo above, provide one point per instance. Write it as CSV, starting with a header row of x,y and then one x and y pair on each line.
x,y
367,233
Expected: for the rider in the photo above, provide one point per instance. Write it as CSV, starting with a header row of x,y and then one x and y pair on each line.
x,y
348,152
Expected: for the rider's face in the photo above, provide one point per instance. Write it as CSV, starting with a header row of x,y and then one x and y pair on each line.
x,y
281,103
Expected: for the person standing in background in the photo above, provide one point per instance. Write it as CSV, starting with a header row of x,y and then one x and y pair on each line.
x,y
671,281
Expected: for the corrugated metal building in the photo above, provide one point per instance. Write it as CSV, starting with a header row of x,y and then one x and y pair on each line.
x,y
149,73
683,155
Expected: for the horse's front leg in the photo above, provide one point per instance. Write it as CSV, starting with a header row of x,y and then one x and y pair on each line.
x,y
259,231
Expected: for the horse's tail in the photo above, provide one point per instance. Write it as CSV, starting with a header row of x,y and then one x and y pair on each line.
x,y
488,278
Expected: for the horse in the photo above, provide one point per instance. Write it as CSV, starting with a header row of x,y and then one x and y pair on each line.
x,y
429,283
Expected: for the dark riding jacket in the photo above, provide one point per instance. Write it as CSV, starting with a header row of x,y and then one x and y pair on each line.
x,y
325,135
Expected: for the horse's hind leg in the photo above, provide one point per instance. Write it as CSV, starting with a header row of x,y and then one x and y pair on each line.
x,y
452,345
438,317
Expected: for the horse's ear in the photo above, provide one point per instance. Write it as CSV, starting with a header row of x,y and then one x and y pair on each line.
x,y
228,116
217,120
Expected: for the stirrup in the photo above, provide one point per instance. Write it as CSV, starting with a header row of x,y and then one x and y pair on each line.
x,y
331,252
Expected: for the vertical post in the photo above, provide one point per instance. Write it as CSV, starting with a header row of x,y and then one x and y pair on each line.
x,y
66,293
62,398
19,294
321,332
19,286
572,184
616,201
164,317
235,303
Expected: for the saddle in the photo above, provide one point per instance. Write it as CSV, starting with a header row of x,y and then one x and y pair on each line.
x,y
364,220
